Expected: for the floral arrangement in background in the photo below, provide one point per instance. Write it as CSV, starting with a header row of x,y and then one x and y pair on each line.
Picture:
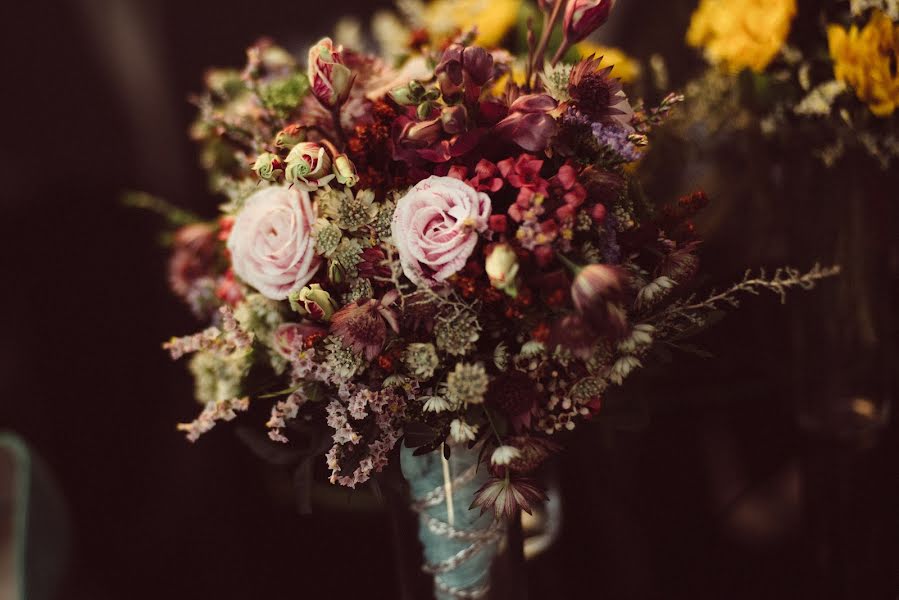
x,y
825,75
445,244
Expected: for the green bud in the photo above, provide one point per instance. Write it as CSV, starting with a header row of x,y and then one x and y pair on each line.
x,y
345,170
290,136
313,301
268,166
416,88
424,110
335,273
403,96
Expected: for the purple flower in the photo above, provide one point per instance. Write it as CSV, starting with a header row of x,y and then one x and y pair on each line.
x,y
614,136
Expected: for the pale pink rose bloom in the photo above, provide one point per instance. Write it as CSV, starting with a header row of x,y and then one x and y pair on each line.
x,y
271,244
435,228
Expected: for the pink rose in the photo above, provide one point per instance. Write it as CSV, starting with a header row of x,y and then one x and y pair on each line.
x,y
435,228
271,243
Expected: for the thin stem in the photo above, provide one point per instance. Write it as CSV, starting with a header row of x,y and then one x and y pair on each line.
x,y
499,438
550,23
563,48
338,128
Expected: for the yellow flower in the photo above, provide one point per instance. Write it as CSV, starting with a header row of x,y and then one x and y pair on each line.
x,y
493,18
741,34
866,60
626,68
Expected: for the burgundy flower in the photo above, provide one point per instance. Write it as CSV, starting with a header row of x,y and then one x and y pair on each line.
x,y
529,123
463,69
583,17
597,94
598,293
515,395
524,173
504,496
363,325
564,185
373,263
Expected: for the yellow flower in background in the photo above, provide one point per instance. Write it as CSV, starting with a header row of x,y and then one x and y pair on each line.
x,y
493,18
626,68
866,60
741,34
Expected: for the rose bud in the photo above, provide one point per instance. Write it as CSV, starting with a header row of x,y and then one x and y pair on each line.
x,y
308,166
454,119
345,170
597,292
268,166
290,136
313,301
583,17
502,269
330,78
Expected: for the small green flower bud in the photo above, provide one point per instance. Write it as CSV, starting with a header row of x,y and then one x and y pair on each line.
x,y
335,272
345,170
290,136
424,110
313,301
416,88
403,96
268,166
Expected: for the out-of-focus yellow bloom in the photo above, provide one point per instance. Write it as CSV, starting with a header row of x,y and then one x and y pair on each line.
x,y
493,18
741,34
626,68
866,60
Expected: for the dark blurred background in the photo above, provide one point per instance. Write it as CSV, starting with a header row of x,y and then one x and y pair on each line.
x,y
750,475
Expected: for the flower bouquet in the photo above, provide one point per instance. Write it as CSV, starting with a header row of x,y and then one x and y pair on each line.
x,y
817,75
430,263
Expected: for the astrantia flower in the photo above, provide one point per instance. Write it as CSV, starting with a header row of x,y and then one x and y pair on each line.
x,y
421,360
866,60
597,93
457,335
503,455
504,496
740,34
467,383
436,226
436,404
363,325
271,243
462,432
